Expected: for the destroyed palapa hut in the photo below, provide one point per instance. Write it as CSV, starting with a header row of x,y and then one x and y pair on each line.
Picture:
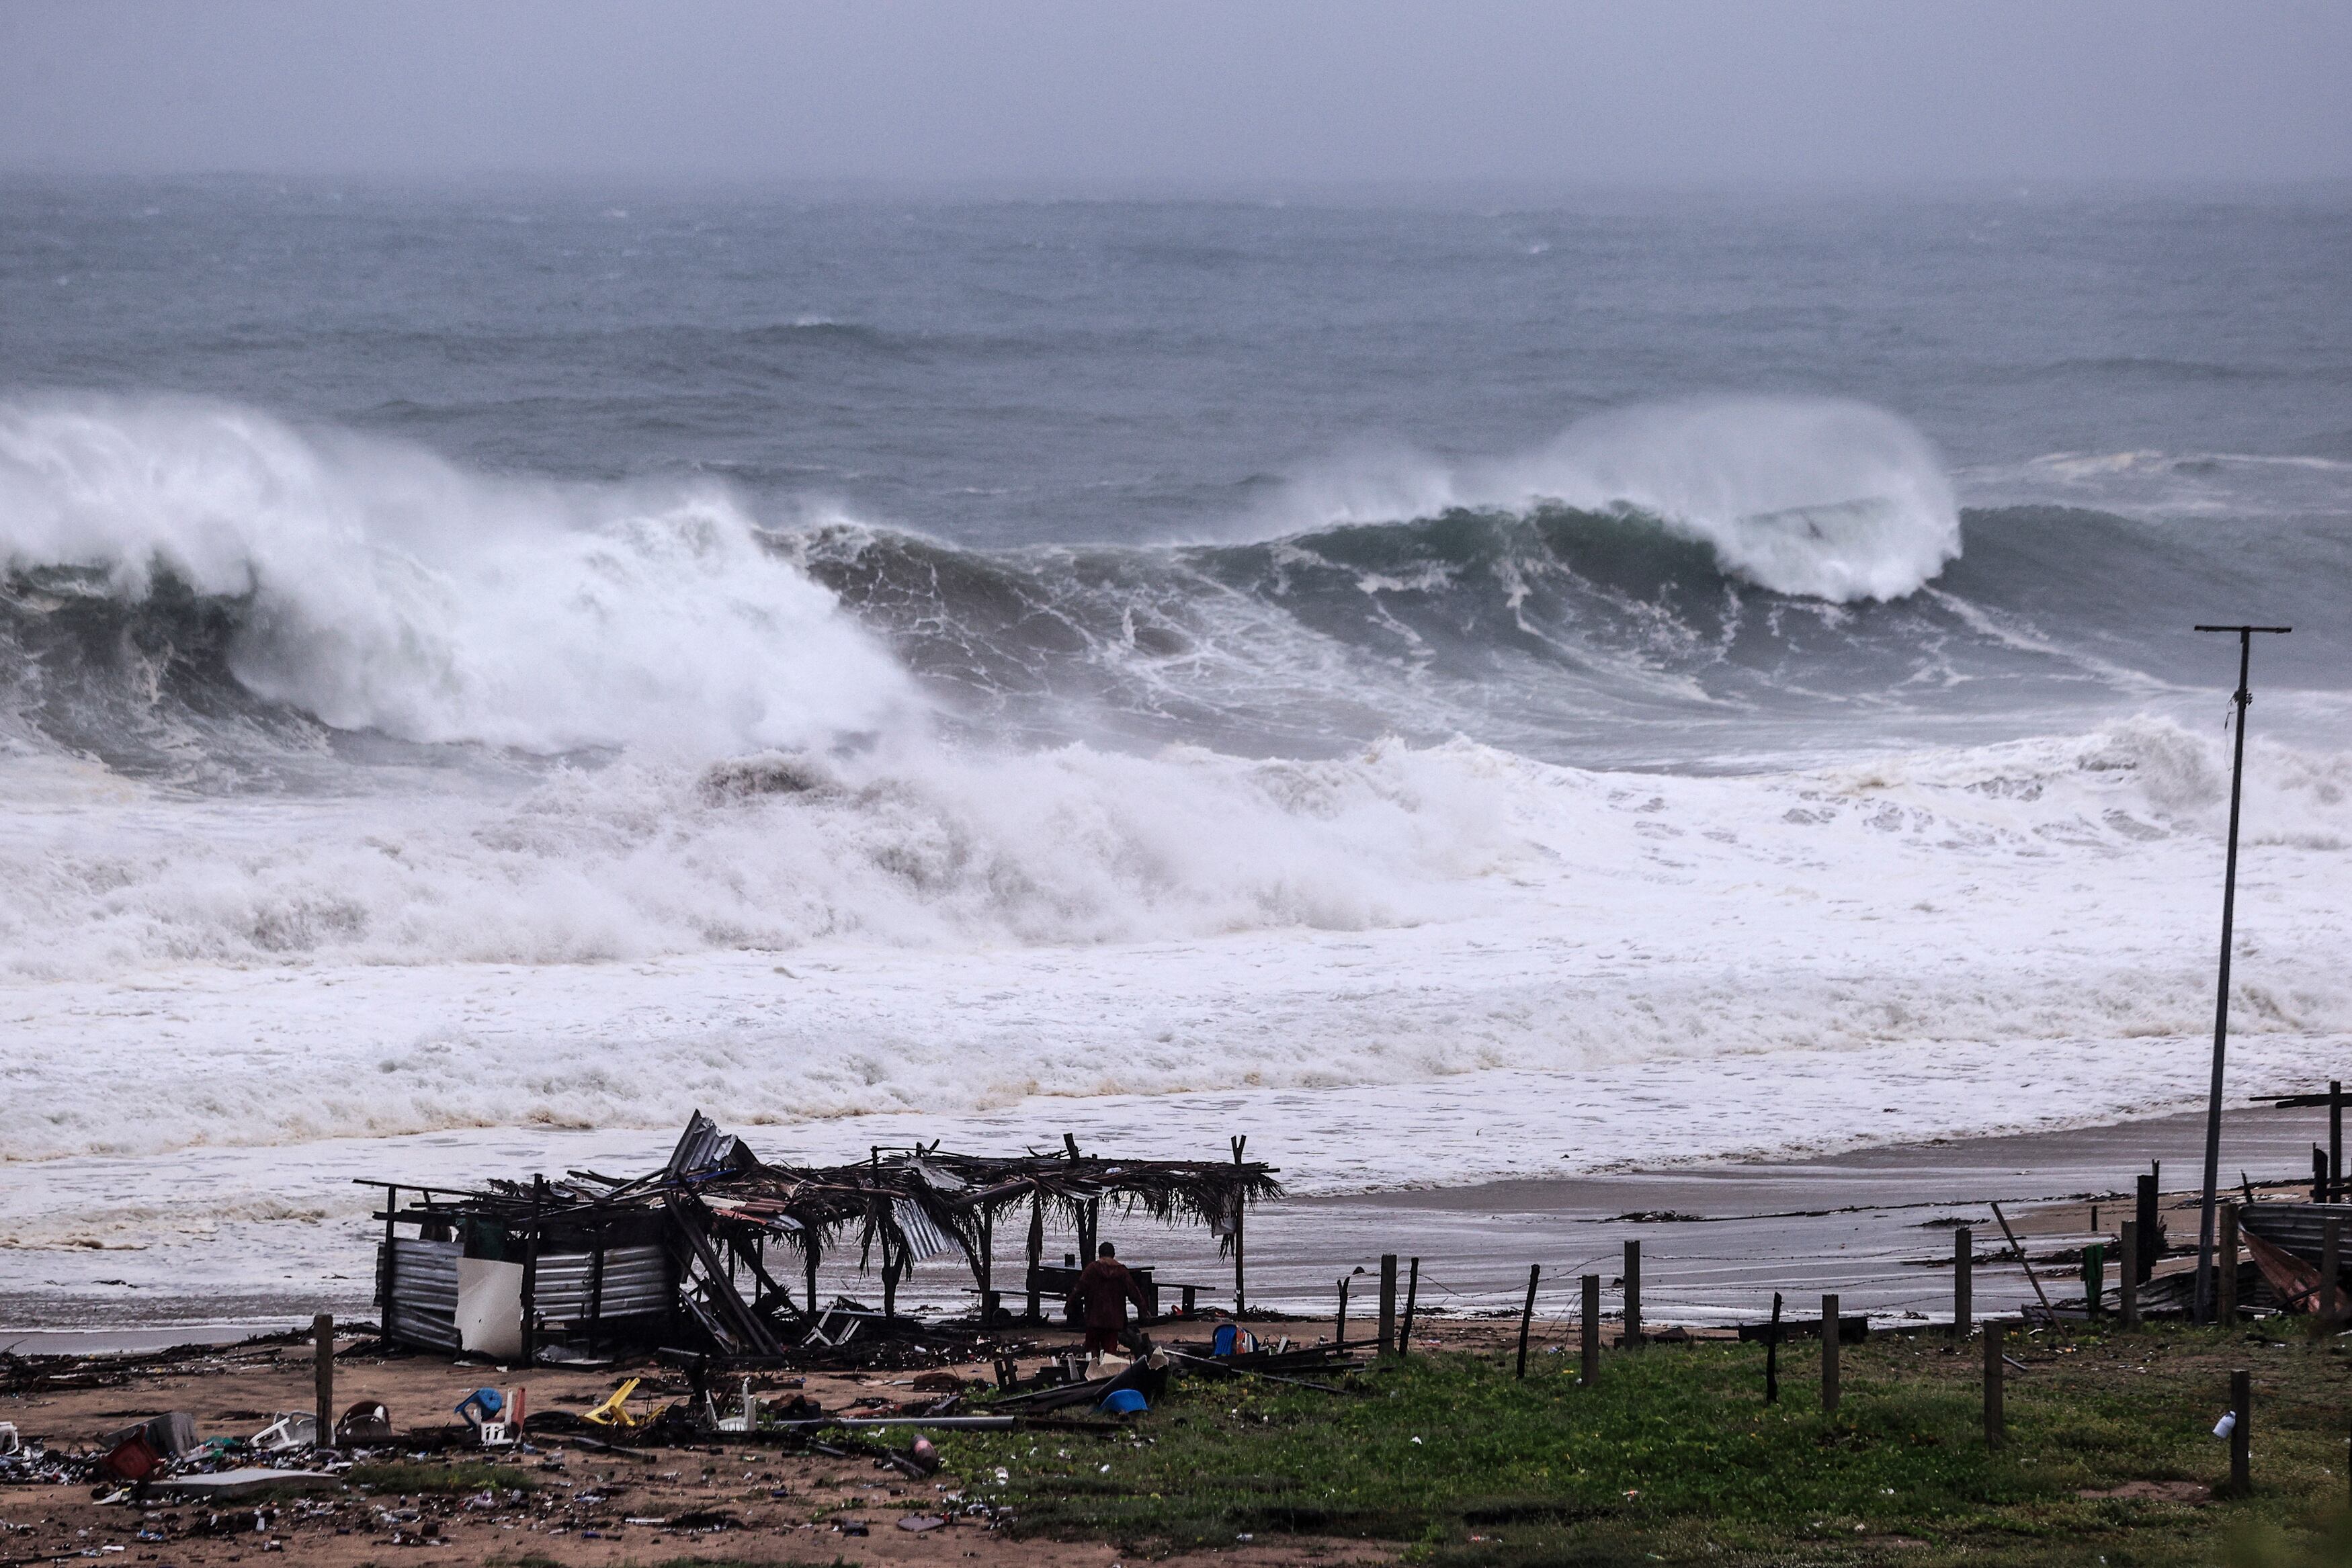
x,y
704,1252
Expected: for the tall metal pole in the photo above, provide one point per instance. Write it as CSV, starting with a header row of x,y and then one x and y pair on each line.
x,y
2242,697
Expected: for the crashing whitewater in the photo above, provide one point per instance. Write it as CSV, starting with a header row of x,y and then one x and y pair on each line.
x,y
490,803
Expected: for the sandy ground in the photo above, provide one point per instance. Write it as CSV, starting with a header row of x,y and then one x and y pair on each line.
x,y
1715,1238
721,1501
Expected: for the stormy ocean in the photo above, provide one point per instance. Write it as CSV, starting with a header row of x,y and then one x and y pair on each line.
x,y
1448,690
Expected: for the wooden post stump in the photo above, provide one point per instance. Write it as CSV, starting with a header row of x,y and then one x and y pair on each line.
x,y
1388,1303
322,1375
1829,1355
1589,1311
2127,1275
2242,1433
1527,1315
2331,1268
1964,1267
1633,1334
1995,1427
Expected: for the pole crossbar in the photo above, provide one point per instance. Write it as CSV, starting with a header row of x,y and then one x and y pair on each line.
x,y
2241,699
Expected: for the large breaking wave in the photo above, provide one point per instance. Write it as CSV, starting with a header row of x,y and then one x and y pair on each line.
x,y
201,593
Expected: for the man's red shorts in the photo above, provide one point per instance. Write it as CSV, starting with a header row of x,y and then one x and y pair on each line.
x,y
1101,1340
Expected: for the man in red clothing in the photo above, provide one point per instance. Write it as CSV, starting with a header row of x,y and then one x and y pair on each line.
x,y
1102,1294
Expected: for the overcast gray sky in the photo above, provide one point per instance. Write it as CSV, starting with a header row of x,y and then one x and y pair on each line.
x,y
1103,91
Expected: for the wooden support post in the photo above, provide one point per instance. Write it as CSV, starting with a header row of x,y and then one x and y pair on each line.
x,y
1828,1355
2095,1278
1527,1315
1964,1268
2151,1231
2242,1434
1240,1209
2318,1174
1589,1323
530,1272
1411,1297
1995,1428
1037,1256
987,1264
1341,1335
2127,1275
2335,1139
889,1281
1388,1303
1633,1334
323,1374
1772,1354
595,1296
2331,1270
387,1281
2225,1263
808,1263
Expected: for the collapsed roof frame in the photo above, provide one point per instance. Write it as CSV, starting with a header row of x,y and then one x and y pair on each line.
x,y
715,1208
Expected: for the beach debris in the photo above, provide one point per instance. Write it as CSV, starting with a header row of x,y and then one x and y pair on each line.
x,y
919,1521
615,1410
496,1418
2295,1282
291,1430
137,1453
363,1424
228,1486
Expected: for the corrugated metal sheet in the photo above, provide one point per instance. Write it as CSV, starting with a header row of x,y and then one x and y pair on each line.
x,y
636,1282
702,1146
424,1306
924,1240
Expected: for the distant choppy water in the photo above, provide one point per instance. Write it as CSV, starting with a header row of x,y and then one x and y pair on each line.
x,y
1381,644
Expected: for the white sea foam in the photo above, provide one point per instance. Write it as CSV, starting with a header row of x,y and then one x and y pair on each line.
x,y
1086,924
390,590
1822,497
752,909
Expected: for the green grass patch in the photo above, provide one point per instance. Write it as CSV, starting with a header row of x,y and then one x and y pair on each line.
x,y
1673,1456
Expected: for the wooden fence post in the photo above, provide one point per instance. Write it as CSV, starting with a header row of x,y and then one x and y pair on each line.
x,y
1829,1355
2095,1278
1995,1430
1388,1303
2242,1433
1633,1334
1240,1141
1527,1315
1590,1315
1412,1296
2335,1139
1964,1269
323,1374
2127,1274
1342,1333
2225,1278
2151,1229
2331,1269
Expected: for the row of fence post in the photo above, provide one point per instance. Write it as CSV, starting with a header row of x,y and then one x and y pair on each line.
x,y
1395,1336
